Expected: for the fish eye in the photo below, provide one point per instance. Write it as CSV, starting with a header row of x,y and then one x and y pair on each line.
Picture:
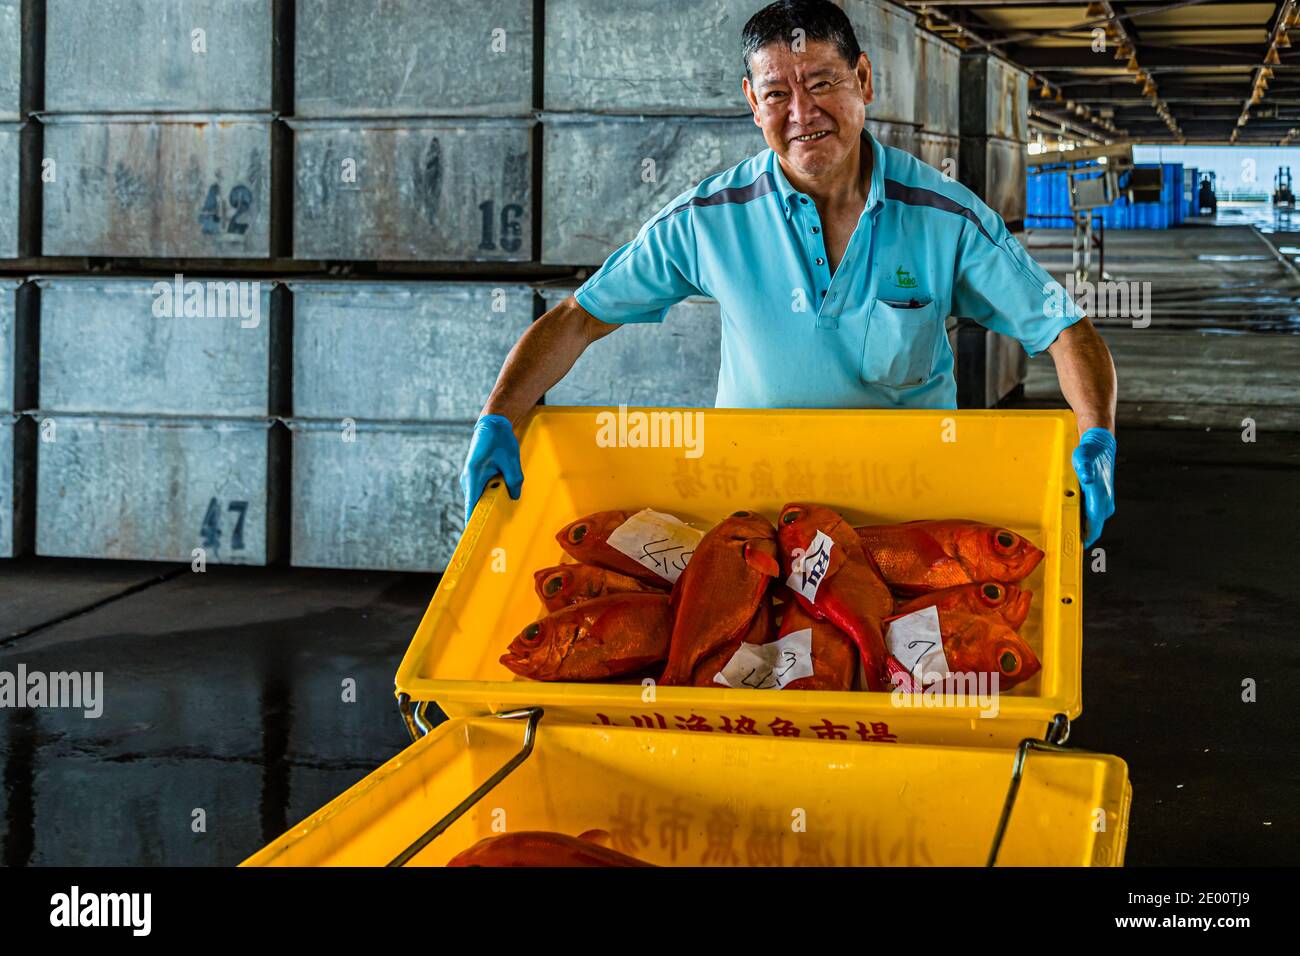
x,y
1004,540
532,633
791,516
577,533
1009,662
992,592
552,585
740,514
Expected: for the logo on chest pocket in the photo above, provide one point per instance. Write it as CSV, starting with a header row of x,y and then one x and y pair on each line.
x,y
900,341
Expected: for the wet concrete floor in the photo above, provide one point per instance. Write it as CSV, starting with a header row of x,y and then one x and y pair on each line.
x,y
224,691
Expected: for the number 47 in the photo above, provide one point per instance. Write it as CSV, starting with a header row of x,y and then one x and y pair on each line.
x,y
210,531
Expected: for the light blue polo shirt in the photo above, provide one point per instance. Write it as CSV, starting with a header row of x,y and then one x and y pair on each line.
x,y
870,336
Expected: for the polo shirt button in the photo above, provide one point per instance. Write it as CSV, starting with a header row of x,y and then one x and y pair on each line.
x,y
804,200
816,229
820,260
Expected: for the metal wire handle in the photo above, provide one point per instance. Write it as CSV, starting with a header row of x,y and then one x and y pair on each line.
x,y
414,716
534,715
1058,732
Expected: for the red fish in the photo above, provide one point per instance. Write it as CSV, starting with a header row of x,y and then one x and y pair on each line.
x,y
604,637
543,848
974,643
1005,601
919,556
587,540
566,584
719,592
834,658
851,593
762,628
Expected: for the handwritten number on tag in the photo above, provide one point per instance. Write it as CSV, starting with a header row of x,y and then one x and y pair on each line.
x,y
919,657
651,554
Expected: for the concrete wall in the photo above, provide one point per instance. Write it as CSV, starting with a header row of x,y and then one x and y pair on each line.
x,y
503,147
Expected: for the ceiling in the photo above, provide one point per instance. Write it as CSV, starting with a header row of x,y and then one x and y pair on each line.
x,y
1194,71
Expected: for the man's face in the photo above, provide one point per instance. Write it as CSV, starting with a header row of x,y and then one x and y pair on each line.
x,y
810,92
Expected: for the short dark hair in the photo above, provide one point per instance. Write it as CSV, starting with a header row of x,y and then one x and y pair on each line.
x,y
818,19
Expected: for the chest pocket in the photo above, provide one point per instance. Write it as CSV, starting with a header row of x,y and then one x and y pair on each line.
x,y
898,351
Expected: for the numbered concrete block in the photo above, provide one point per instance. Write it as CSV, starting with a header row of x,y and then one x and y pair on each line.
x,y
413,190
645,56
10,195
122,56
607,176
11,47
412,58
415,351
994,98
377,495
176,346
887,34
153,489
938,84
164,187
673,363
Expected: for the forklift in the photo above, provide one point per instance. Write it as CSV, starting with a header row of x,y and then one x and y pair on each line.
x,y
1206,202
1283,197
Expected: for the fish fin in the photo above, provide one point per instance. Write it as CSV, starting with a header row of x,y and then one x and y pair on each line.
x,y
816,613
762,558
598,837
899,676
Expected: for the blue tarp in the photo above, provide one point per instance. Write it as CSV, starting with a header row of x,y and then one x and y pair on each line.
x,y
1048,202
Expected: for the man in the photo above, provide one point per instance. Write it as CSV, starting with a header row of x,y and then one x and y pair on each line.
x,y
835,261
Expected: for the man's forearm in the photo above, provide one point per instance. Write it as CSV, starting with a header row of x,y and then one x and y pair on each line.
x,y
543,355
1087,375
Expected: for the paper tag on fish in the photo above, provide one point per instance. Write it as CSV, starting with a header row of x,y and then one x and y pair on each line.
x,y
917,643
809,568
662,543
769,666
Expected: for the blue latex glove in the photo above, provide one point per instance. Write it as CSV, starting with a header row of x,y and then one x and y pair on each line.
x,y
493,450
1094,463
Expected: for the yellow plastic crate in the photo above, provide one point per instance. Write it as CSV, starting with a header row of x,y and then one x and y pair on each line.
x,y
1010,468
676,798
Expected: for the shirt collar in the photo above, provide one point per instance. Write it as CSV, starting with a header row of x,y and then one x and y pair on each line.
x,y
875,195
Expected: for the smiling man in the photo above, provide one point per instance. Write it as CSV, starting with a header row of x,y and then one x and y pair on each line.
x,y
835,261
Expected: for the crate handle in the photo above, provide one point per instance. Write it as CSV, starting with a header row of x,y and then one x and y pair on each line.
x,y
1058,732
416,718
534,714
